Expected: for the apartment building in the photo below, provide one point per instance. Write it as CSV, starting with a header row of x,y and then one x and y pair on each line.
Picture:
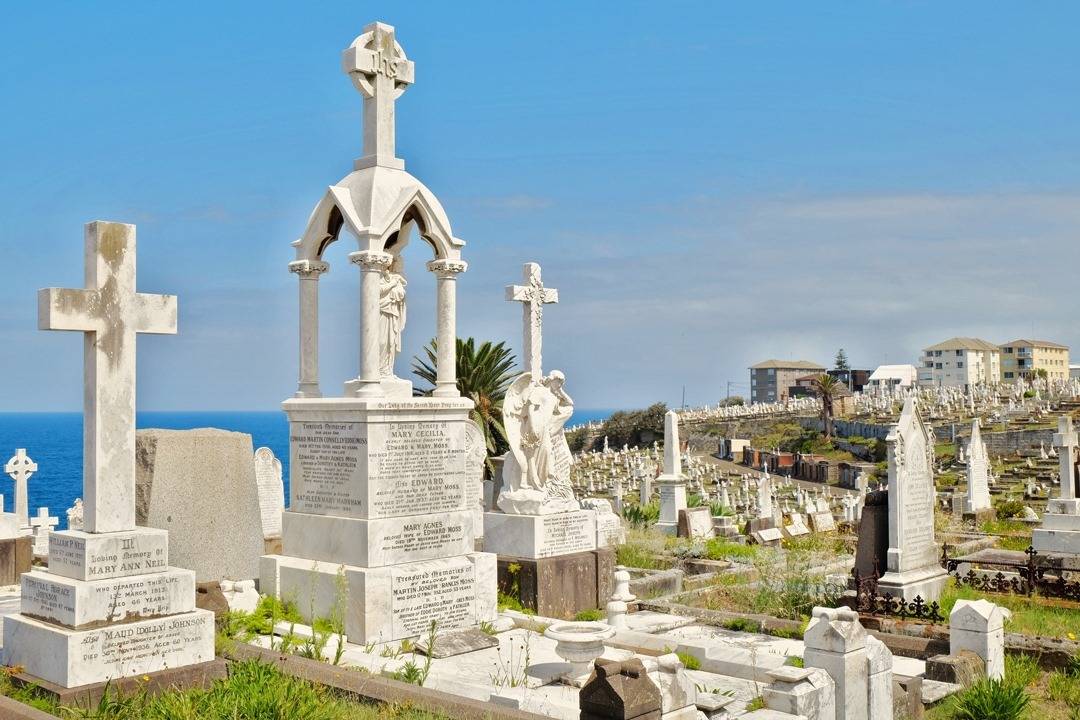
x,y
1023,358
960,362
771,380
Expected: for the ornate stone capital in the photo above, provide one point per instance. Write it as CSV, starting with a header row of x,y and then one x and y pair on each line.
x,y
309,268
371,259
447,268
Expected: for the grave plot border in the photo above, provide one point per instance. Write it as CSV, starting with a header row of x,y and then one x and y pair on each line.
x,y
867,601
1037,574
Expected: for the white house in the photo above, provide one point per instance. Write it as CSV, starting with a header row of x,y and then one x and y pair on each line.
x,y
960,362
887,377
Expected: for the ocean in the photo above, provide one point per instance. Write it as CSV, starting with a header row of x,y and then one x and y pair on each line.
x,y
54,442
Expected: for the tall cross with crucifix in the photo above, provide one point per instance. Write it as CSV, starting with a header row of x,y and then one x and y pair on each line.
x,y
378,68
110,313
20,468
532,296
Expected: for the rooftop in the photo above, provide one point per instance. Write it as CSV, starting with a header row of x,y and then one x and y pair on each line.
x,y
787,365
1035,343
964,343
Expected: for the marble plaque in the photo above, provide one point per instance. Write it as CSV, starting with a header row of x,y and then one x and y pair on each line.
x,y
75,603
99,556
609,529
421,592
540,536
377,470
79,657
823,521
695,523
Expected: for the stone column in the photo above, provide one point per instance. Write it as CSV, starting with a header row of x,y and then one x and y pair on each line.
x,y
309,272
446,272
372,263
836,642
979,626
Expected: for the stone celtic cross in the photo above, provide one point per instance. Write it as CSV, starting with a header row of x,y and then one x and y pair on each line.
x,y
533,296
20,467
110,313
378,68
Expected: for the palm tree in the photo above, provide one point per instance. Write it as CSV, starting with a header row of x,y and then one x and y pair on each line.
x,y
827,388
484,373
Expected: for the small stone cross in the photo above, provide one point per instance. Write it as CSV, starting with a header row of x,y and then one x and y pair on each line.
x,y
110,312
533,296
43,523
20,468
378,68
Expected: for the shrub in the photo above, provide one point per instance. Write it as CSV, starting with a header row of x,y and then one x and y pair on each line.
x,y
689,661
742,625
641,516
718,509
590,615
794,661
1009,509
991,700
694,500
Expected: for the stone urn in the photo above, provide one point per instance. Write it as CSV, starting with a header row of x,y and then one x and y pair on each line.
x,y
579,644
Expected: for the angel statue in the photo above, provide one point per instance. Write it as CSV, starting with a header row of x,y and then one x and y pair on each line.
x,y
536,472
391,317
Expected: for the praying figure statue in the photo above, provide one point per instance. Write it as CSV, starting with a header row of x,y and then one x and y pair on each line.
x,y
536,472
391,317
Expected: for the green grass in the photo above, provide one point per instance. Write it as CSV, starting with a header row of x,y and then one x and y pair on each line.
x,y
721,549
590,615
1030,616
742,625
636,556
689,661
252,690
509,602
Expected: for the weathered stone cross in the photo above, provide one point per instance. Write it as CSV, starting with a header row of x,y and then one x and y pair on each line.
x,y
110,312
533,296
43,523
378,68
20,468
1065,441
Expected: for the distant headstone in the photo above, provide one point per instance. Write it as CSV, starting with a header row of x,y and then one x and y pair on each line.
x,y
43,523
20,468
271,490
200,486
672,482
978,464
696,523
822,522
768,536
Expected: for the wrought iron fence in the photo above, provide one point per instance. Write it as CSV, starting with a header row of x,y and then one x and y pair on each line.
x,y
1035,574
869,602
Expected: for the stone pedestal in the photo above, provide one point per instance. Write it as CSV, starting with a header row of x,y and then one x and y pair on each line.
x,y
379,529
552,563
836,642
672,500
561,586
108,607
1060,531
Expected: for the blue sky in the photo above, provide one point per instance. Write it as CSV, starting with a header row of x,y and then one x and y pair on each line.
x,y
707,184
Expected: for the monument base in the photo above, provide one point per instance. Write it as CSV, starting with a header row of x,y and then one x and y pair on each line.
x,y
562,586
539,536
1059,534
387,603
72,658
201,675
927,583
